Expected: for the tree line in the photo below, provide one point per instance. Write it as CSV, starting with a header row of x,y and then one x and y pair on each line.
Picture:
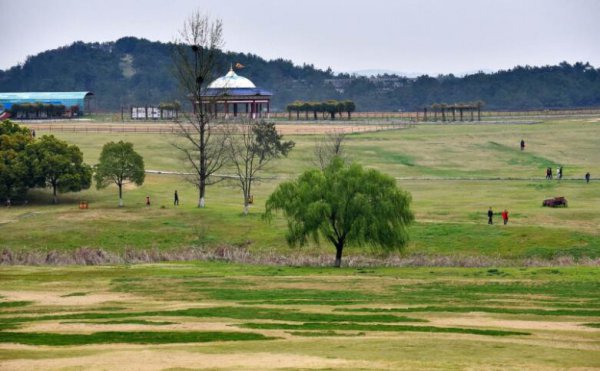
x,y
330,107
132,71
41,110
450,109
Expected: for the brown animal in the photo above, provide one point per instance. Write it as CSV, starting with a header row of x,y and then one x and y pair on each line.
x,y
555,202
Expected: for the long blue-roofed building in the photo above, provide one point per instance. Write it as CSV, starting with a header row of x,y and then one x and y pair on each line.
x,y
75,103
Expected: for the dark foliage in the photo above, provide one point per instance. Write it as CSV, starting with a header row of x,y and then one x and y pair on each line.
x,y
133,71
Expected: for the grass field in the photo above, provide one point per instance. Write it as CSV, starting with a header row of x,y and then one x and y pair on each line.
x,y
493,308
227,316
450,170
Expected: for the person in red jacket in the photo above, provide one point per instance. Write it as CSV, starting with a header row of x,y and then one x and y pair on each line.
x,y
505,216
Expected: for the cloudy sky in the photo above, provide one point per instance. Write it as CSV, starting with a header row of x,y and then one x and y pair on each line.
x,y
427,36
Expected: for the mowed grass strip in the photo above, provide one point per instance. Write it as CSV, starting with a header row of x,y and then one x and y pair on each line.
x,y
115,337
245,313
377,327
324,333
541,312
14,304
124,322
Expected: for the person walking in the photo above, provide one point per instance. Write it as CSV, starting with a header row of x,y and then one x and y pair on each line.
x,y
490,216
176,199
522,145
549,173
560,172
505,216
587,177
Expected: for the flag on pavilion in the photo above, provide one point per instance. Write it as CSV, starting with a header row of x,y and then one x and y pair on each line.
x,y
239,66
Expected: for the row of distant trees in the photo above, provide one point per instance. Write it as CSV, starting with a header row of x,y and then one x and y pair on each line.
x,y
329,107
447,110
41,110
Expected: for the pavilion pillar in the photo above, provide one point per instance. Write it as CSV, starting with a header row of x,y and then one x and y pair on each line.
x,y
226,109
268,109
235,109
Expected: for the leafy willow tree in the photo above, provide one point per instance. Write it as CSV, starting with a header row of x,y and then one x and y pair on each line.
x,y
345,204
13,170
56,164
119,164
195,60
251,148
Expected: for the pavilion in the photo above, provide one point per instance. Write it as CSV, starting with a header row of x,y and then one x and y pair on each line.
x,y
236,96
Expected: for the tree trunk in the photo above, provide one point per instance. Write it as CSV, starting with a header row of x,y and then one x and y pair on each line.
x,y
460,110
201,194
315,115
338,255
54,197
478,113
120,195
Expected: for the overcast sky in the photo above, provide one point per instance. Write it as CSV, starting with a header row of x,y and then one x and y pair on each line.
x,y
427,36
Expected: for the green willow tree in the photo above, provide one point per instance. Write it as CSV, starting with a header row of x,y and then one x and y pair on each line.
x,y
346,205
119,164
56,164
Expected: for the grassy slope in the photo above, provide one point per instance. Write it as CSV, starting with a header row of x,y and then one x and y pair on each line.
x,y
450,214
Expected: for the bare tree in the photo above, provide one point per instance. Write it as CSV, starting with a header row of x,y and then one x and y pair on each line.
x,y
332,145
251,147
195,61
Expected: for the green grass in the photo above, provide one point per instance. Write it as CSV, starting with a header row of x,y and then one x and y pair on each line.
x,y
450,214
14,304
131,337
378,327
451,309
472,317
324,333
125,322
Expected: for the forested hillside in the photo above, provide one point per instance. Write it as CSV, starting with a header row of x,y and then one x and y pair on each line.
x,y
137,71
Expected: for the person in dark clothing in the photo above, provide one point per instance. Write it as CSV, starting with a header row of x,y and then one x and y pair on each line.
x,y
490,215
560,172
549,173
176,199
522,144
587,177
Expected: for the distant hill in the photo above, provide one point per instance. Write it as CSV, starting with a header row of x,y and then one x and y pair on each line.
x,y
137,71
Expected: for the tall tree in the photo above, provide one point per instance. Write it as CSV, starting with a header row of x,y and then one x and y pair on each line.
x,y
14,180
56,164
251,148
344,204
349,107
195,59
119,164
329,147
